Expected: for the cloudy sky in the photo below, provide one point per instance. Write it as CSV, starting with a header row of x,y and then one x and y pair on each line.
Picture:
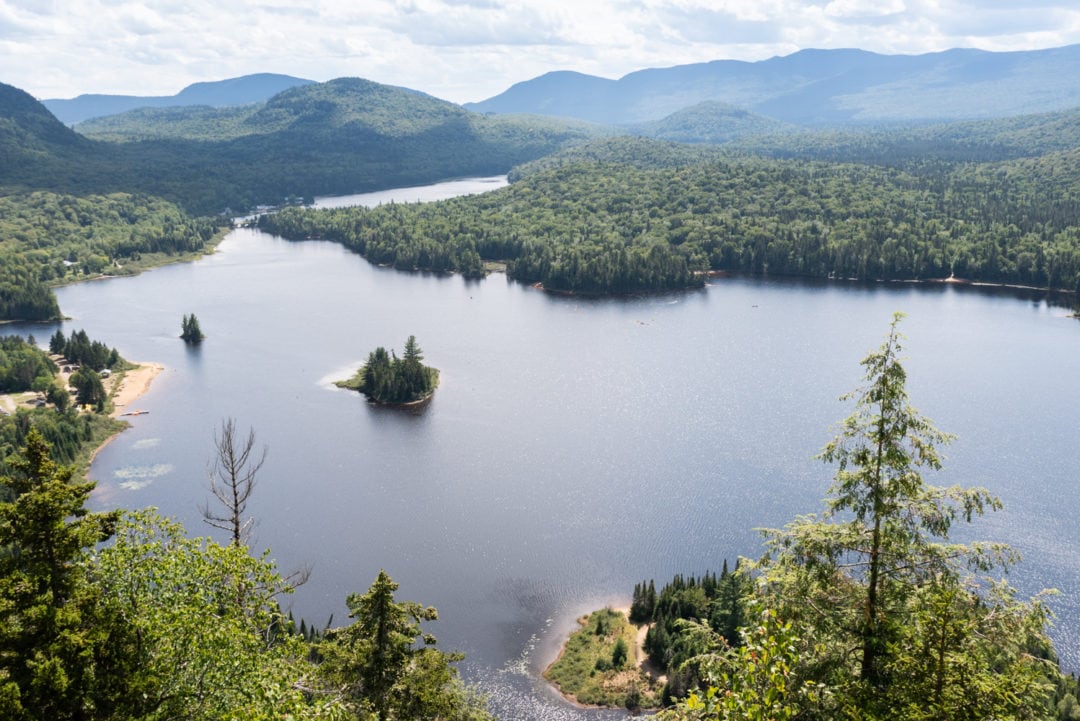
x,y
464,50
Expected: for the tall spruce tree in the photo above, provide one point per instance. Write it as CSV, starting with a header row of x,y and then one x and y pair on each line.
x,y
49,636
852,575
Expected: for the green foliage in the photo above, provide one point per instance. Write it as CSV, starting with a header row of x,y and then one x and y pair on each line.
x,y
71,436
869,611
190,330
643,603
48,238
380,669
22,364
596,667
605,226
713,602
50,621
753,682
192,623
80,350
897,618
712,121
385,378
89,390
345,136
618,654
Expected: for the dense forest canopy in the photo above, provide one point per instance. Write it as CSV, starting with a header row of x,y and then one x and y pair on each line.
x,y
606,226
48,238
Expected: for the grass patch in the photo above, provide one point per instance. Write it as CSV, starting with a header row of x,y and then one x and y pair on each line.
x,y
592,670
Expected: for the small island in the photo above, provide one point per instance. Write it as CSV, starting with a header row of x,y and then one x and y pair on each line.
x,y
388,380
603,664
190,331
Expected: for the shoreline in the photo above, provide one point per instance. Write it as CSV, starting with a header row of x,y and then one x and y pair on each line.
x,y
134,384
640,661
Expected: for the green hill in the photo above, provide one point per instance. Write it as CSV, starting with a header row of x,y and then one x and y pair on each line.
x,y
712,121
344,136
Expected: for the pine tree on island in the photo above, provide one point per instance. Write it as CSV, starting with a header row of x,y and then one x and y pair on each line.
x,y
385,378
190,331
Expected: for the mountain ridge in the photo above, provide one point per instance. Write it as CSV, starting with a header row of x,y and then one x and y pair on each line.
x,y
817,87
241,90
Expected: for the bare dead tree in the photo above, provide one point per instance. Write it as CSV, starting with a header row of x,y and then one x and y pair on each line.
x,y
232,473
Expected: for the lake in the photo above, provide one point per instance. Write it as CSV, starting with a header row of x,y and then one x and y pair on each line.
x,y
575,446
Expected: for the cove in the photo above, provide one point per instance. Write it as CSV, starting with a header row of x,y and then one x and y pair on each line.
x,y
575,446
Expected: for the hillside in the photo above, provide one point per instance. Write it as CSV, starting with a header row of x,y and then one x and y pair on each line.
x,y
233,91
344,136
347,135
714,122
817,87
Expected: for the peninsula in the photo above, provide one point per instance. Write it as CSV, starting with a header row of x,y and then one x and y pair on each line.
x,y
603,664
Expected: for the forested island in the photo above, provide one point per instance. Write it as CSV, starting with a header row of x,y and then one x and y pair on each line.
x,y
388,380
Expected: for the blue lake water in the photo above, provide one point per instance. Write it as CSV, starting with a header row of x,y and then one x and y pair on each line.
x,y
575,446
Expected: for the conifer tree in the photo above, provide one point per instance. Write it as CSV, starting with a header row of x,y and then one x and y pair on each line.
x,y
190,330
48,631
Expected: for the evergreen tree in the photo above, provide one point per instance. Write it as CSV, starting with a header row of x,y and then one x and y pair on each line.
x,y
89,390
57,342
618,654
190,330
853,577
385,378
379,666
49,631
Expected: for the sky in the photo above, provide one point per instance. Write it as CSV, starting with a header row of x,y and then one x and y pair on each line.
x,y
467,50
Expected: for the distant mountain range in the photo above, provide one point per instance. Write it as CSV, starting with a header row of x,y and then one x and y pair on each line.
x,y
234,91
343,136
816,87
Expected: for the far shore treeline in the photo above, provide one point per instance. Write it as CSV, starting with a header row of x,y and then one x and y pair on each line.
x,y
613,224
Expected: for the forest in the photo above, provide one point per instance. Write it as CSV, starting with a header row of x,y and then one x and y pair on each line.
x,y
610,226
47,239
385,378
71,434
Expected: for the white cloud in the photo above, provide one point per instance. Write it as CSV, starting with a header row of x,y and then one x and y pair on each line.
x,y
471,49
864,8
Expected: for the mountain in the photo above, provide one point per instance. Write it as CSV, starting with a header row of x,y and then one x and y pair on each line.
x,y
347,135
711,121
234,91
34,145
818,87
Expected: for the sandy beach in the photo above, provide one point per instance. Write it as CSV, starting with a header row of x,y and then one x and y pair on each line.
x,y
133,385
